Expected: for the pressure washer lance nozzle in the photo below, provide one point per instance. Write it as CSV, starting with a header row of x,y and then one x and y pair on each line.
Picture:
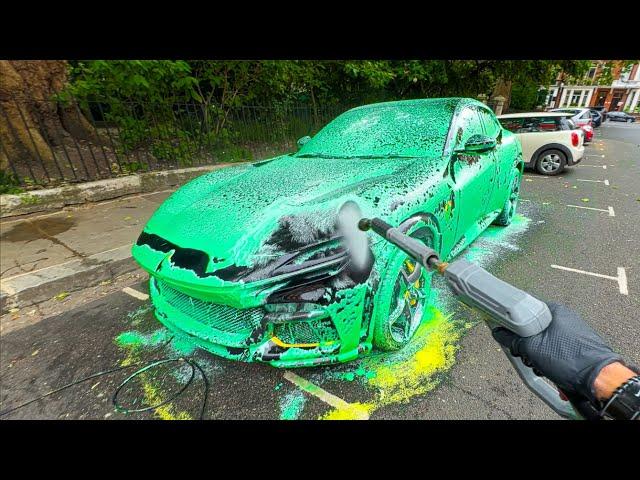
x,y
417,250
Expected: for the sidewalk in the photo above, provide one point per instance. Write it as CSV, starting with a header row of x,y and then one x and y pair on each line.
x,y
48,255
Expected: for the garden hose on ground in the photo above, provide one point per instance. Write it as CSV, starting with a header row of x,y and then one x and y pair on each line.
x,y
144,367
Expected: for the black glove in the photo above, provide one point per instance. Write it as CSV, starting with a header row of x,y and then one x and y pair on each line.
x,y
569,352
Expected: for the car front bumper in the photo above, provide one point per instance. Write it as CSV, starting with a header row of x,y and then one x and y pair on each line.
x,y
577,154
333,333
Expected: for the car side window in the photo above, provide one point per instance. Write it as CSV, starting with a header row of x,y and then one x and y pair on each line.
x,y
467,125
491,125
585,116
512,124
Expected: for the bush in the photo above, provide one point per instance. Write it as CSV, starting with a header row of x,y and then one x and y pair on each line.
x,y
9,183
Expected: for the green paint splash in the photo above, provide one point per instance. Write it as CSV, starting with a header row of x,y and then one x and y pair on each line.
x,y
137,339
291,405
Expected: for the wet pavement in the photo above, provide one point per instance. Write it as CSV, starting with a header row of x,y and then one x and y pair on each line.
x,y
453,370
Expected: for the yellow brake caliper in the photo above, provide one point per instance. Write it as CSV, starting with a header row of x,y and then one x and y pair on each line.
x,y
412,295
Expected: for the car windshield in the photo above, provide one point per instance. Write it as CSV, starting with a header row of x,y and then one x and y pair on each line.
x,y
396,129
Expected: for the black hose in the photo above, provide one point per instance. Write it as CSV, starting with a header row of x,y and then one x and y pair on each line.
x,y
146,366
189,362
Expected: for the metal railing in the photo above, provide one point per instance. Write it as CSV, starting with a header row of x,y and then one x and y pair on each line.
x,y
46,142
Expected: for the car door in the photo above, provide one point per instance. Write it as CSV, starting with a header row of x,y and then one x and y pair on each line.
x,y
472,174
516,126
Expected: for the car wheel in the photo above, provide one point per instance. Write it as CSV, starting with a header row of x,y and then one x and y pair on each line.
x,y
629,120
551,162
511,203
402,297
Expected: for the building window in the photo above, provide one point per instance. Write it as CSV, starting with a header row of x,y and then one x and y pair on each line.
x,y
575,98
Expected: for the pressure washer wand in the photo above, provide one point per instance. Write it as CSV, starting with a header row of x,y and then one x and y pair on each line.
x,y
503,304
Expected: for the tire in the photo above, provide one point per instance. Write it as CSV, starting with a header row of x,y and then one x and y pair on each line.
x,y
629,120
551,162
399,306
511,203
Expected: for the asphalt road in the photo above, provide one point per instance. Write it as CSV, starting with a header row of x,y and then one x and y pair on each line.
x,y
480,385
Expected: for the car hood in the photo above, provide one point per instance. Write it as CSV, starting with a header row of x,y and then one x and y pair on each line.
x,y
230,213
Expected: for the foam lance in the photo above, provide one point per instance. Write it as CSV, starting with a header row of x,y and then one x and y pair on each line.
x,y
502,304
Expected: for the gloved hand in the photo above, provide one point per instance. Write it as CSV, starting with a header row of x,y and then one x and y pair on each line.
x,y
569,353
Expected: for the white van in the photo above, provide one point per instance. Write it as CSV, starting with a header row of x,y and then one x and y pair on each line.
x,y
550,141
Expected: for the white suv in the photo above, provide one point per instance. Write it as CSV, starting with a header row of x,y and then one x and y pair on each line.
x,y
550,141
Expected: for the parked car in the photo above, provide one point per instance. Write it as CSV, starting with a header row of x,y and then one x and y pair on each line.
x,y
596,118
582,118
620,117
247,263
550,141
601,110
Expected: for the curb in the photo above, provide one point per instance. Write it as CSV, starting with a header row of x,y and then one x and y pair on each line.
x,y
33,288
57,198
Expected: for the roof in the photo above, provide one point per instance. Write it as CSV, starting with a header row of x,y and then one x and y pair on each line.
x,y
575,109
427,103
412,128
536,114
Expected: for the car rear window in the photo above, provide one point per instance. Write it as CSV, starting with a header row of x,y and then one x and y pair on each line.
x,y
532,124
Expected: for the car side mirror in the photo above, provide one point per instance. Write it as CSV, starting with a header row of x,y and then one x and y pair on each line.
x,y
301,141
478,144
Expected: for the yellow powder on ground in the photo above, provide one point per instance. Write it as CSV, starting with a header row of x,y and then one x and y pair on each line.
x,y
402,376
164,412
351,411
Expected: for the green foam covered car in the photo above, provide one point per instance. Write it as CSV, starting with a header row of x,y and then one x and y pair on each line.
x,y
247,261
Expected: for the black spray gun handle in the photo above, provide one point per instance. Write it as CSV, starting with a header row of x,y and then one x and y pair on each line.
x,y
503,304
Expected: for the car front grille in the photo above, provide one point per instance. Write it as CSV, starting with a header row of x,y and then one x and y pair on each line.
x,y
306,331
221,317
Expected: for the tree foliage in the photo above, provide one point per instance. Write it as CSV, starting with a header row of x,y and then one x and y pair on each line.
x,y
149,98
236,83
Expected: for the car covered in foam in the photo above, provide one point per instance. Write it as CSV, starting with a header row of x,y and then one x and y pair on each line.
x,y
247,261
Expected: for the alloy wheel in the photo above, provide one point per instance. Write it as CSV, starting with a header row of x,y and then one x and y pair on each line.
x,y
407,305
550,162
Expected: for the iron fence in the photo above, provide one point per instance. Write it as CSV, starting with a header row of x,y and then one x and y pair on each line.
x,y
50,142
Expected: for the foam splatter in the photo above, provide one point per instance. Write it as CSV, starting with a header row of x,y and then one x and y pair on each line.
x,y
291,405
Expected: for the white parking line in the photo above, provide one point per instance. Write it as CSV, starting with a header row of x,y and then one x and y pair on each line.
x,y
135,293
606,182
609,210
542,177
326,397
595,166
621,278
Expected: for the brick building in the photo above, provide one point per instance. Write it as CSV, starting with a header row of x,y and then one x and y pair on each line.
x,y
622,94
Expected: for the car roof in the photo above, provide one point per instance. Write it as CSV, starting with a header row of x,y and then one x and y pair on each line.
x,y
447,103
535,114
576,109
